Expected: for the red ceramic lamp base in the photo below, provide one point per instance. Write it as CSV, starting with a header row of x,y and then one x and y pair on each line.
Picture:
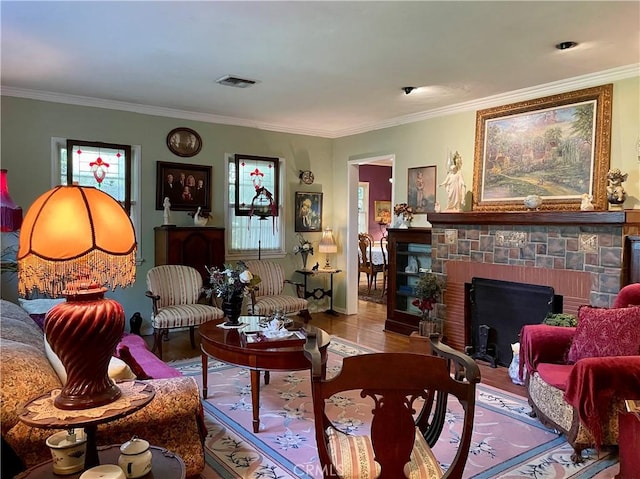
x,y
84,333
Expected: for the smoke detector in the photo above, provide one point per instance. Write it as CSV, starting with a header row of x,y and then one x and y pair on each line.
x,y
237,82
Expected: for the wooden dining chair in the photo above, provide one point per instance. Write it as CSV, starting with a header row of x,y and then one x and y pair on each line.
x,y
366,264
364,258
384,243
397,442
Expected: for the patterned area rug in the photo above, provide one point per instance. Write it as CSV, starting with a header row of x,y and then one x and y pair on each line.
x,y
506,443
372,296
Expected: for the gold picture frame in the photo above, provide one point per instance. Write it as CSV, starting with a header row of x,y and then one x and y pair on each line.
x,y
382,212
557,147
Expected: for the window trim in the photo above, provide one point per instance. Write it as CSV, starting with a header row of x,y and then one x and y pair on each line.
x,y
253,253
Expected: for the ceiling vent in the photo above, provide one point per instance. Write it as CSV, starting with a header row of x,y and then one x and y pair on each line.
x,y
237,82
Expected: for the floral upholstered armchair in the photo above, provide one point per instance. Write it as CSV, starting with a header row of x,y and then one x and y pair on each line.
x,y
577,378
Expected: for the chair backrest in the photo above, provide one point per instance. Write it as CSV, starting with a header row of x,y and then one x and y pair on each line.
x,y
271,277
385,251
175,284
365,242
397,384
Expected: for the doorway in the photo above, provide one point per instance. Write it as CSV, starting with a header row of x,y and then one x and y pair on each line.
x,y
352,222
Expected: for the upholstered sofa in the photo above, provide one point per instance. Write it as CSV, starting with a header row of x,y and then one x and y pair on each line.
x,y
577,378
173,419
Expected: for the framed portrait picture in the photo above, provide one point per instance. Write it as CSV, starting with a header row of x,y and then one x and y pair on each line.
x,y
382,212
557,147
308,212
186,186
421,189
184,142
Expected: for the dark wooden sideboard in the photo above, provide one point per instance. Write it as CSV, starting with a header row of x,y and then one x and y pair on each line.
x,y
190,245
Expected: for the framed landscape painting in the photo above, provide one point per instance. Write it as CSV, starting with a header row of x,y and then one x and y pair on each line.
x,y
556,147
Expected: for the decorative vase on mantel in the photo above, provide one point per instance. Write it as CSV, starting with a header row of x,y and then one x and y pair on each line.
x,y
232,308
402,222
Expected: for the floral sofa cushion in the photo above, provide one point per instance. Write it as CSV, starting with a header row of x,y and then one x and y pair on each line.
x,y
25,374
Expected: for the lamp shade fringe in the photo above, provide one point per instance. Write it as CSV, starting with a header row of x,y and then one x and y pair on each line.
x,y
55,277
75,234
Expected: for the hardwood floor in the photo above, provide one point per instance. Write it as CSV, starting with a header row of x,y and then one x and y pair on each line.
x,y
365,328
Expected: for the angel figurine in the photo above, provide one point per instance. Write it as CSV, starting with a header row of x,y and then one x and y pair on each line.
x,y
615,191
454,184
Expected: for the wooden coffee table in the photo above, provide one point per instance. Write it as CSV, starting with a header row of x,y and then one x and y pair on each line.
x,y
226,345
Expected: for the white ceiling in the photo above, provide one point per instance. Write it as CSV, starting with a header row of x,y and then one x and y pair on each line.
x,y
324,68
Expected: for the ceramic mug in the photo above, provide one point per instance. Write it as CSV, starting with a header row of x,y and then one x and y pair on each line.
x,y
135,458
68,450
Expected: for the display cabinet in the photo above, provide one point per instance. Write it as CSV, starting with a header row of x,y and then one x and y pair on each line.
x,y
409,255
191,246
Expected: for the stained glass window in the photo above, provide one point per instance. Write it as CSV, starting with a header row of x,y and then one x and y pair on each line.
x,y
105,166
254,235
256,186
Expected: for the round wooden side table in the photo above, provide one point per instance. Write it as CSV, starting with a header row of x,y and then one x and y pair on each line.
x,y
42,413
164,465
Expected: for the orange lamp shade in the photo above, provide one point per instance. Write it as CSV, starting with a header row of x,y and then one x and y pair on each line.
x,y
75,234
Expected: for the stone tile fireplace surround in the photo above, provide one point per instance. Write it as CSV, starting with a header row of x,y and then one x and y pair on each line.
x,y
580,254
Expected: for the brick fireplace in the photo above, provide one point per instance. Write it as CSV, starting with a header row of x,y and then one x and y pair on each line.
x,y
580,254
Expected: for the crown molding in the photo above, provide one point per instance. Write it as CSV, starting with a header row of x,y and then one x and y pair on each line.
x,y
547,89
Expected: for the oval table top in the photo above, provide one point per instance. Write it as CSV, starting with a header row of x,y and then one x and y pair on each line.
x,y
227,345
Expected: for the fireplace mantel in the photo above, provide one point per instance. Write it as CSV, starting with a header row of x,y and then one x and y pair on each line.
x,y
612,218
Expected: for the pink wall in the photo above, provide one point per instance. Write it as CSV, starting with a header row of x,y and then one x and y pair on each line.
x,y
379,190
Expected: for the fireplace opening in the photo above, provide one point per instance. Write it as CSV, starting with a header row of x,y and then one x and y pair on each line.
x,y
496,311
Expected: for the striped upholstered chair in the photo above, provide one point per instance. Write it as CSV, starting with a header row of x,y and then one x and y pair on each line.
x,y
174,290
269,295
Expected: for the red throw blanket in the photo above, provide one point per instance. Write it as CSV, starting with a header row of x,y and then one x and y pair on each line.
x,y
595,382
541,343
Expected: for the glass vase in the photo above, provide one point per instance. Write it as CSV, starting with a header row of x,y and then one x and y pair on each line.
x,y
430,324
305,256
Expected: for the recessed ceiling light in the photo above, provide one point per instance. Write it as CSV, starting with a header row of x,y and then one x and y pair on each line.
x,y
566,45
237,82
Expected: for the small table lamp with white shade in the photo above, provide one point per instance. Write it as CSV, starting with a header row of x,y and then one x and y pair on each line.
x,y
327,246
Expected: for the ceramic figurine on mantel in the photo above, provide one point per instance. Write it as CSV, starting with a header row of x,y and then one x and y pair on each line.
x,y
586,204
615,191
454,185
